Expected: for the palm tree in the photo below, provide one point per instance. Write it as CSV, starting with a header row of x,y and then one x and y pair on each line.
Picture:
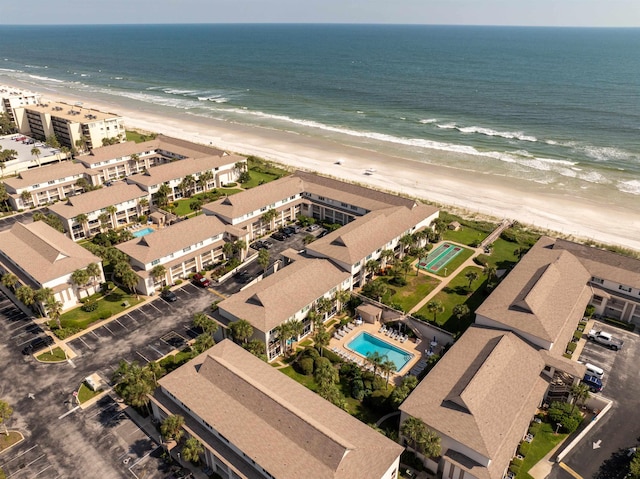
x,y
263,259
387,367
471,276
26,295
104,221
5,413
195,205
421,438
461,310
80,278
35,151
324,306
162,195
156,370
42,296
9,280
297,328
241,330
134,158
186,185
171,427
130,280
227,250
325,374
192,449
240,246
580,393
405,242
111,210
342,297
204,179
54,310
134,383
372,266
202,343
203,321
284,333
94,272
143,206
269,218
405,266
387,256
81,145
82,220
376,359
490,271
435,306
158,273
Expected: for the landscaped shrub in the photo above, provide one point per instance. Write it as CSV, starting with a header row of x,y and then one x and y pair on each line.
x,y
481,259
64,333
89,306
311,352
619,324
523,448
305,366
105,315
576,336
565,414
516,462
410,459
357,389
331,356
514,468
571,347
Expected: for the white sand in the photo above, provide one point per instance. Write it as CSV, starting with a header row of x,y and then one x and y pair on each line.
x,y
483,194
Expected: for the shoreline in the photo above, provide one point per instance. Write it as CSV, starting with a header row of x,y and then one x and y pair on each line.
x,y
472,192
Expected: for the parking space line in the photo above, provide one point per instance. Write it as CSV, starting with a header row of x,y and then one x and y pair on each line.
x,y
49,466
185,291
20,455
27,465
569,470
85,343
154,307
118,321
161,354
107,328
142,356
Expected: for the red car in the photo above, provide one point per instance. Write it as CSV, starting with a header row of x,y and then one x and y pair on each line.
x,y
201,280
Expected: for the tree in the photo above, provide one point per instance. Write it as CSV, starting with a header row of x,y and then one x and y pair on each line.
x,y
322,339
342,297
634,467
5,413
94,272
54,310
372,266
7,126
376,359
134,383
284,333
387,367
111,211
420,437
471,276
269,217
26,295
171,427
202,343
405,266
52,141
130,279
490,272
204,322
324,306
204,179
4,196
240,247
241,330
82,220
195,205
156,370
104,221
263,259
401,392
257,348
580,393
461,310
80,278
158,273
162,195
227,250
35,151
186,185
405,241
43,295
325,374
9,280
436,307
375,290
192,449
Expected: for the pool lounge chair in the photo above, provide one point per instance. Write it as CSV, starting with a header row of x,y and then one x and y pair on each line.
x,y
383,329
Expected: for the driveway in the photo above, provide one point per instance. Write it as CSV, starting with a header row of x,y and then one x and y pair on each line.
x,y
6,222
597,455
60,439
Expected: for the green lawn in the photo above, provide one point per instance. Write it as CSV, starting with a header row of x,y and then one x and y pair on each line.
x,y
455,263
306,381
544,440
408,296
259,178
84,393
465,235
503,254
181,207
456,293
108,306
57,356
138,137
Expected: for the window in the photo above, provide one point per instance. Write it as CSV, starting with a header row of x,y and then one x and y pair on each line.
x,y
597,280
155,262
344,205
188,248
596,300
626,289
353,207
321,198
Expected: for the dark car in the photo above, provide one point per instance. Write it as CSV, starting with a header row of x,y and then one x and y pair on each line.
x,y
37,344
291,230
594,383
201,280
323,233
267,244
168,295
258,245
242,277
278,235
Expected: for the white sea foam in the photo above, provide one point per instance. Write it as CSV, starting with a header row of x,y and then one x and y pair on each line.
x,y
215,99
118,78
447,126
606,153
427,121
510,135
630,186
37,77
10,70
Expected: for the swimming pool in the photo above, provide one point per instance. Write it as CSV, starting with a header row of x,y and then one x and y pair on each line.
x,y
365,343
143,232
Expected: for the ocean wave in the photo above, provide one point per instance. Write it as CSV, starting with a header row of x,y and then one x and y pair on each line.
x,y
36,66
10,70
447,126
215,99
176,91
605,153
427,121
37,77
631,186
479,130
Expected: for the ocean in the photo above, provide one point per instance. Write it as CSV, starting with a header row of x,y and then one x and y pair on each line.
x,y
559,107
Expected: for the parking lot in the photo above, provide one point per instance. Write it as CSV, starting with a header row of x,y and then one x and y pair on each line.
x,y
7,222
20,330
599,454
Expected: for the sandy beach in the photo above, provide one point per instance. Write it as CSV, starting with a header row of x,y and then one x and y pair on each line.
x,y
482,194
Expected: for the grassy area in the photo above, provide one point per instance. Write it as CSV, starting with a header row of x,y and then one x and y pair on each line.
x,y
465,235
455,263
181,207
108,306
85,393
139,137
259,178
544,440
306,381
262,166
408,296
457,293
503,254
55,356
10,440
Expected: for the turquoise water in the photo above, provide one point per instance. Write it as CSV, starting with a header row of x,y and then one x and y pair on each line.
x,y
558,107
365,343
143,232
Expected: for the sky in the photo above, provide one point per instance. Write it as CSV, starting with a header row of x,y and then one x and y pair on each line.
x,y
582,13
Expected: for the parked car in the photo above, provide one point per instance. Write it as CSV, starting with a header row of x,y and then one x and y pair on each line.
x,y
606,339
292,229
267,244
242,276
323,233
258,245
313,227
278,235
168,295
595,384
201,280
37,344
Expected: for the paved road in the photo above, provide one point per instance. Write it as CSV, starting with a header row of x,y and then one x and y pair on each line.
x,y
620,428
6,222
61,441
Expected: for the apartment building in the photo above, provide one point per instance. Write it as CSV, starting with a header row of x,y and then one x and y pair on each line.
x,y
44,185
42,257
255,422
287,295
181,249
12,98
110,207
69,123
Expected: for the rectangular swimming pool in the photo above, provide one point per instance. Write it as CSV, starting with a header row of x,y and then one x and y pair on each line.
x,y
365,343
143,232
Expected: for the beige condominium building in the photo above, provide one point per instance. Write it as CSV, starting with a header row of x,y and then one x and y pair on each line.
x,y
110,207
12,98
42,257
44,185
255,422
181,249
69,123
287,295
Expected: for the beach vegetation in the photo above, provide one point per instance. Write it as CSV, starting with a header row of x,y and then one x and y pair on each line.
x,y
263,166
139,137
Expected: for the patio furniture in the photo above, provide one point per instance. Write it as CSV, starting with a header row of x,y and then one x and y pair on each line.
x,y
383,329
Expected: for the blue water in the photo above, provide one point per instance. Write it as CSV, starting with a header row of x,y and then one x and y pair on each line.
x,y
558,107
144,232
364,344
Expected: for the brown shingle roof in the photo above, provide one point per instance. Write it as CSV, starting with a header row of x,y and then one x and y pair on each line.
x,y
543,292
363,236
119,150
172,238
276,298
284,427
181,168
97,199
487,370
43,174
44,253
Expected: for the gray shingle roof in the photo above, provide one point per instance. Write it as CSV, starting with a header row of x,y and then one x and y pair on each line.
x,y
281,425
181,168
97,199
43,174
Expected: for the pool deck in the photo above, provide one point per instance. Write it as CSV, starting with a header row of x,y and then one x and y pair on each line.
x,y
409,346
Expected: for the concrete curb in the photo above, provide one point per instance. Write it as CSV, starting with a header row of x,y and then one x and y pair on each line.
x,y
584,432
14,444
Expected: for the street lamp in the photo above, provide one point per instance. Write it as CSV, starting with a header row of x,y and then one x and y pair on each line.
x,y
558,426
